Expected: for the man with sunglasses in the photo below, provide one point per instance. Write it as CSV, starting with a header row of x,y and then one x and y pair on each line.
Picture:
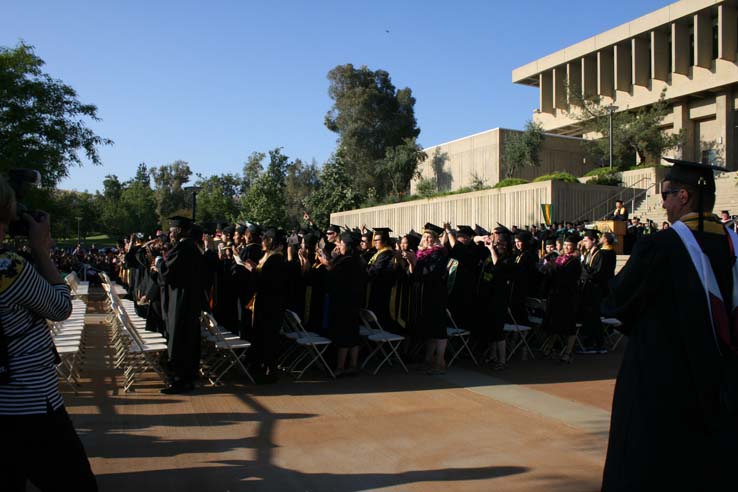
x,y
675,410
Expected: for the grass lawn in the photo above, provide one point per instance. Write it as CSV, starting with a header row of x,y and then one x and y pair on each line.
x,y
99,240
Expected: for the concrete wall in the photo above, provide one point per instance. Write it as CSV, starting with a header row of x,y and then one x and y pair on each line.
x,y
454,164
514,205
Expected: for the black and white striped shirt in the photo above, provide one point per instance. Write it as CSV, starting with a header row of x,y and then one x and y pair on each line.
x,y
26,301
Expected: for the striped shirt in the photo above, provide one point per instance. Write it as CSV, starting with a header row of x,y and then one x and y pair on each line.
x,y
26,301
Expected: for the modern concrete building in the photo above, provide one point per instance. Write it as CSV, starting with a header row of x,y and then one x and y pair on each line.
x,y
689,48
458,163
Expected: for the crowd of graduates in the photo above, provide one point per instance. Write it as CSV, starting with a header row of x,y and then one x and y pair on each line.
x,y
247,277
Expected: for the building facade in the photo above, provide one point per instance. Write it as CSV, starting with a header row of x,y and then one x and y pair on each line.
x,y
459,163
688,48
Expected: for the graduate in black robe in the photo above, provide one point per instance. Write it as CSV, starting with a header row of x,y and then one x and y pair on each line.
x,y
183,272
345,282
592,283
462,298
270,278
675,415
382,273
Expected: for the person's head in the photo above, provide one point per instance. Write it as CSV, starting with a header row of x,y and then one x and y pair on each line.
x,y
238,235
608,239
725,215
589,240
618,204
347,242
179,228
570,245
331,234
272,240
559,245
381,238
465,234
550,246
681,198
404,244
665,225
309,241
502,243
366,242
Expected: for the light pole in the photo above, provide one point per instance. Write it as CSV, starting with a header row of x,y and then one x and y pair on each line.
x,y
610,110
194,190
79,219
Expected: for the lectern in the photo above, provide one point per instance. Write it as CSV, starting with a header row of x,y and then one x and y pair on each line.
x,y
616,227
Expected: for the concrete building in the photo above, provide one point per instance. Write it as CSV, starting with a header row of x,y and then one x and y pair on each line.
x,y
689,48
458,163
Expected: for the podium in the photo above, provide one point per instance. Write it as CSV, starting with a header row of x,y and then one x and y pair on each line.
x,y
616,227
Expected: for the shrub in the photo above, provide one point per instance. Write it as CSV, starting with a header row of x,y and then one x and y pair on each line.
x,y
599,171
606,179
559,176
510,182
426,187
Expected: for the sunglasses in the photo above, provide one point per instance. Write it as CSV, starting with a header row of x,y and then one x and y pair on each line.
x,y
665,194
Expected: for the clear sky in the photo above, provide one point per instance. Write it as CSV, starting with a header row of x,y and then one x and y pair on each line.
x,y
211,82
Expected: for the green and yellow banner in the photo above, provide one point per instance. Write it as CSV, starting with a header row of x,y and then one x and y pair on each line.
x,y
547,211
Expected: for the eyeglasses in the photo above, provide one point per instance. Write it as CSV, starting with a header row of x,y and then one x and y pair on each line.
x,y
665,194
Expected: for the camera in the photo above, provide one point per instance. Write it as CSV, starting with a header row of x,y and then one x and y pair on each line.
x,y
20,180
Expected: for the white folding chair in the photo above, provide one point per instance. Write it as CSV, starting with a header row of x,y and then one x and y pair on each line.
x,y
230,346
612,326
455,333
379,337
513,330
142,355
313,346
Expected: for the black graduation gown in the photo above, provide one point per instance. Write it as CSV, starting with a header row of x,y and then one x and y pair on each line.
x,y
270,289
563,297
183,273
154,316
669,430
462,298
315,300
592,282
382,275
430,277
345,287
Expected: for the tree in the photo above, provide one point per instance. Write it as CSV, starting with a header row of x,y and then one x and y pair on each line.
x,y
370,116
400,165
169,181
522,149
301,181
265,202
42,122
252,168
634,132
335,192
218,198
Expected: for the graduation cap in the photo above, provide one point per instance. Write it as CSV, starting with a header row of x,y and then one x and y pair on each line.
x,y
350,238
572,238
382,233
413,239
253,228
465,230
524,236
428,227
501,229
480,231
696,174
240,229
179,221
276,235
333,228
591,234
229,230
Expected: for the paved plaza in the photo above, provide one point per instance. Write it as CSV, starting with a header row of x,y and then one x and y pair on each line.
x,y
539,426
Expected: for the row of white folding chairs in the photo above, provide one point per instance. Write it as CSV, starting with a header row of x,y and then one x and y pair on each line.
x,y
136,350
68,337
224,350
77,286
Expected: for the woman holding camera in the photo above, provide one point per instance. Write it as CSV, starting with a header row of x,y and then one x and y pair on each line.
x,y
40,441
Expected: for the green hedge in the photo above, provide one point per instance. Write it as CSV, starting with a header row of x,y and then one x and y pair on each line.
x,y
606,179
599,171
511,182
559,176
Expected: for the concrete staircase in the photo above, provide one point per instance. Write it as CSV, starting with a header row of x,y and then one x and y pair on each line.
x,y
726,198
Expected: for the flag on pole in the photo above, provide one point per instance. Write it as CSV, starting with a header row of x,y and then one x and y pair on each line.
x,y
547,212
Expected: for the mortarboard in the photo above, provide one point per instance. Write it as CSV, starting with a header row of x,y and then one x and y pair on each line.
x,y
179,221
572,238
480,231
428,227
501,229
465,230
382,233
591,234
333,228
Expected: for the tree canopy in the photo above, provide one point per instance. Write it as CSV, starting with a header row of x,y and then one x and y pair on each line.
x,y
371,118
43,125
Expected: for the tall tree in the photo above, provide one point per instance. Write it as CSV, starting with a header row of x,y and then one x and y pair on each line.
x,y
636,132
522,149
169,181
370,116
400,166
335,192
42,122
301,181
218,198
265,202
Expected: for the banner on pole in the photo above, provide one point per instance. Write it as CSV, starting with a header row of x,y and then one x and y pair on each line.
x,y
547,211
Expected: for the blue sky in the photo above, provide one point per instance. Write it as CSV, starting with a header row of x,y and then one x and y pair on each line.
x,y
211,82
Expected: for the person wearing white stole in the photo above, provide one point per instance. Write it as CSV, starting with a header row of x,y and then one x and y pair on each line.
x,y
675,409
